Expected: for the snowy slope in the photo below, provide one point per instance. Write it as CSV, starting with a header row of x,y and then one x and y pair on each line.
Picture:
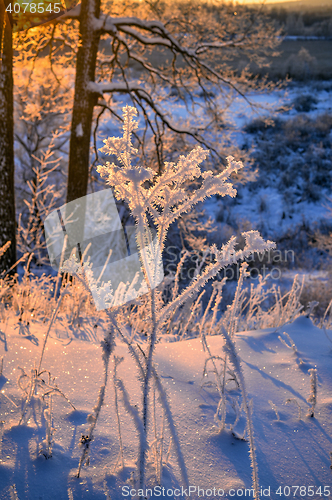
x,y
290,452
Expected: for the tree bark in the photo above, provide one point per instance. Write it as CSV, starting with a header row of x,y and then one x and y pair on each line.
x,y
84,102
7,194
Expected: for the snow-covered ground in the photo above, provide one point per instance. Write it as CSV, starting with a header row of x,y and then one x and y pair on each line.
x,y
265,205
293,454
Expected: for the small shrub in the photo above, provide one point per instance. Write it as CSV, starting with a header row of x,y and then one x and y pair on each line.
x,y
304,103
261,125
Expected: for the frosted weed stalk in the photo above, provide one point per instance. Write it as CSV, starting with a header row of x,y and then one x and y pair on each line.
x,y
162,199
295,401
291,345
38,396
107,347
312,399
231,351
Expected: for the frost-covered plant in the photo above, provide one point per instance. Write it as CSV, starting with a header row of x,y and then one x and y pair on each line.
x,y
46,448
231,319
260,307
326,321
117,360
231,352
291,345
38,395
267,307
13,492
163,199
41,201
312,399
286,307
35,388
220,382
275,409
295,401
64,292
78,311
107,346
28,298
229,324
233,314
41,103
292,307
4,248
4,286
38,392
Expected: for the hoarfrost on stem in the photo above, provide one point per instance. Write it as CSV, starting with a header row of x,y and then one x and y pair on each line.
x,y
164,198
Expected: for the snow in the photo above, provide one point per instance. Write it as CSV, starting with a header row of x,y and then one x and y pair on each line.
x,y
290,452
241,112
299,37
273,217
79,130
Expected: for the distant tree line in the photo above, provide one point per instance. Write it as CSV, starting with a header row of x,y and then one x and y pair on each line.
x,y
306,22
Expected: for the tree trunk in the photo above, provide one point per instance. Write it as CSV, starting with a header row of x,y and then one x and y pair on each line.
x,y
84,102
7,194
